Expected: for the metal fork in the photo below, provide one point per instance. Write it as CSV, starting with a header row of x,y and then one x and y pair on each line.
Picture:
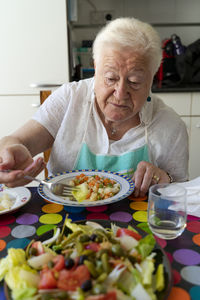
x,y
60,189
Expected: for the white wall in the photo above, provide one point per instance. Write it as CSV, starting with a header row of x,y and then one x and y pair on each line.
x,y
152,11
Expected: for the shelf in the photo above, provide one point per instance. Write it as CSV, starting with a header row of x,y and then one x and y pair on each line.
x,y
174,24
82,26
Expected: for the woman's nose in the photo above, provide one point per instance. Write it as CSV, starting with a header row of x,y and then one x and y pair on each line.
x,y
121,90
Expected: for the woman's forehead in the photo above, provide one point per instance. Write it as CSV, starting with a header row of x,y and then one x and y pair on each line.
x,y
113,59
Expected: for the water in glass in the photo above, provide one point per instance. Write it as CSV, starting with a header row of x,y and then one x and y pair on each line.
x,y
167,210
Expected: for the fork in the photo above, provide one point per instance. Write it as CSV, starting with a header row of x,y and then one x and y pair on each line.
x,y
59,189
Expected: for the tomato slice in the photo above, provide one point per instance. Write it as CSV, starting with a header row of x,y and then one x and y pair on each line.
x,y
93,246
126,231
71,280
38,246
47,280
59,262
109,296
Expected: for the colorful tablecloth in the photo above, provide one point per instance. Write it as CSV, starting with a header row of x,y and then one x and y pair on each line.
x,y
38,216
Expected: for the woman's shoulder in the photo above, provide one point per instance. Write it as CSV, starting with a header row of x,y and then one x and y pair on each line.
x,y
165,116
160,108
82,87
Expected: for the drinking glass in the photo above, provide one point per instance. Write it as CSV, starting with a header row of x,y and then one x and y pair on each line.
x,y
167,213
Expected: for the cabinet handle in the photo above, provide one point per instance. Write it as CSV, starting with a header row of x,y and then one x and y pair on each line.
x,y
44,85
35,104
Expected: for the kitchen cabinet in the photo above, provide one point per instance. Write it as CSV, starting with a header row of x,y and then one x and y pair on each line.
x,y
187,105
195,136
34,52
16,110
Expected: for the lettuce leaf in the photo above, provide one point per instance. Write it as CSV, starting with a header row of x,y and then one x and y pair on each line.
x,y
14,258
21,277
146,245
25,293
81,194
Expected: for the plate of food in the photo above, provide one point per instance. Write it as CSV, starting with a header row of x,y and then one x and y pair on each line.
x,y
12,199
96,187
89,260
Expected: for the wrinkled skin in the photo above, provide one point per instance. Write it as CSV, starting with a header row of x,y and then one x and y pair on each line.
x,y
123,81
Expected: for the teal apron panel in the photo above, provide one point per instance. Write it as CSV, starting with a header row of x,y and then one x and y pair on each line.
x,y
124,163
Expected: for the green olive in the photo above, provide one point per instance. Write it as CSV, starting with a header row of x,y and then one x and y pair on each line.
x,y
83,238
105,263
91,268
117,250
102,277
50,264
33,251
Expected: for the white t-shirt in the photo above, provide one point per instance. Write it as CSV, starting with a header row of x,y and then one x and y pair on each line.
x,y
70,114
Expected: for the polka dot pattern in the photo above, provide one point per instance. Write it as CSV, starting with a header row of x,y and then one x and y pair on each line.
x,y
187,257
7,219
121,216
22,231
44,228
27,219
195,292
191,274
50,219
97,216
18,243
73,209
140,216
97,208
196,239
52,208
161,242
194,226
4,231
19,228
176,276
192,218
178,294
139,205
2,245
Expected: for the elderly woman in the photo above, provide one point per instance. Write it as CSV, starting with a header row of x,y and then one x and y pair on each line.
x,y
110,122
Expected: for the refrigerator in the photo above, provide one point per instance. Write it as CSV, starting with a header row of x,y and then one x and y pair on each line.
x,y
34,56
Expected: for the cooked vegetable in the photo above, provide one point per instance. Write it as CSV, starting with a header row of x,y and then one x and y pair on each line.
x,y
93,188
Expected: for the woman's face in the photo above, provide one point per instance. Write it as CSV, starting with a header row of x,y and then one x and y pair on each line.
x,y
122,84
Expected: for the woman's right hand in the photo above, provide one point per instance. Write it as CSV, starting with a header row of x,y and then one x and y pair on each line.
x,y
19,161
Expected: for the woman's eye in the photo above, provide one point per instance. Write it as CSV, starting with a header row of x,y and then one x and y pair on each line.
x,y
134,84
110,80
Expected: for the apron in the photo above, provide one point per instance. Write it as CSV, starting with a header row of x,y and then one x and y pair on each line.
x,y
125,163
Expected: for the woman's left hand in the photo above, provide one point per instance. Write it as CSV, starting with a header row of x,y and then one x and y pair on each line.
x,y
146,175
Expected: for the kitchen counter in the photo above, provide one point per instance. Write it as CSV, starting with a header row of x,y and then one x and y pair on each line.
x,y
157,88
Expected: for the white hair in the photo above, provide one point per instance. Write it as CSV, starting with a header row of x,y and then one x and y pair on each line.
x,y
130,33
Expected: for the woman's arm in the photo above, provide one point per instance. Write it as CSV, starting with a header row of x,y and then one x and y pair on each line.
x,y
17,152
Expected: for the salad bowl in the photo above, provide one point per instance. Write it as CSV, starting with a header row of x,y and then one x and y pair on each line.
x,y
159,258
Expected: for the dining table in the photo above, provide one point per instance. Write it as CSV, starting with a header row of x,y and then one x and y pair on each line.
x,y
39,215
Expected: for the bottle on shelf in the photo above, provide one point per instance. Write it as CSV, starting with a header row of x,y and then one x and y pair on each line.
x,y
178,46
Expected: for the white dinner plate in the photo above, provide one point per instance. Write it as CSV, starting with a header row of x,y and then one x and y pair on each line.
x,y
126,188
21,194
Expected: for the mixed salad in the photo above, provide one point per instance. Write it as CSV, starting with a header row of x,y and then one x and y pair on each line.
x,y
93,188
85,262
